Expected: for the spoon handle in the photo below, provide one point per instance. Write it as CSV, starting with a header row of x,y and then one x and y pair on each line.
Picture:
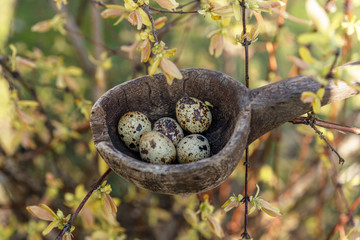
x,y
277,103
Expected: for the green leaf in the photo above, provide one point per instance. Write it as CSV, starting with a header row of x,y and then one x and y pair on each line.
x,y
190,217
320,93
13,57
316,105
313,38
50,227
252,209
257,190
306,55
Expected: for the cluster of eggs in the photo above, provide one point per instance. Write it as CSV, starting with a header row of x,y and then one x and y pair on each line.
x,y
166,141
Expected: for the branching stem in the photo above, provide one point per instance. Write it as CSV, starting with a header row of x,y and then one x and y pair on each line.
x,y
246,43
325,124
81,205
153,30
311,121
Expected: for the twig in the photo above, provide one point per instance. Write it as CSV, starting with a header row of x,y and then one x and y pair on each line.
x,y
77,211
153,30
338,186
246,199
330,73
97,34
186,4
99,3
329,125
77,42
177,12
108,49
343,220
181,46
321,135
292,18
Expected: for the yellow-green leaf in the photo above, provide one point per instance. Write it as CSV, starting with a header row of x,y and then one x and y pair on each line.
x,y
144,17
237,11
308,97
320,93
115,6
130,5
50,227
215,227
13,57
269,209
27,103
74,71
191,217
306,55
153,68
316,105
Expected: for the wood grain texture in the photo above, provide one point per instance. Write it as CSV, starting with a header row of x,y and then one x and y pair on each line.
x,y
240,116
278,103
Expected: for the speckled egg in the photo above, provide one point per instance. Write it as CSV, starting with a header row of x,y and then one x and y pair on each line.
x,y
192,148
193,115
170,128
156,148
131,127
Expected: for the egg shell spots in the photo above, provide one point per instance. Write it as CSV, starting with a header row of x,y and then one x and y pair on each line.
x,y
156,148
131,126
193,115
170,128
192,148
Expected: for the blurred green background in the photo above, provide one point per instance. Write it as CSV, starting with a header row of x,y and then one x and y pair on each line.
x,y
50,83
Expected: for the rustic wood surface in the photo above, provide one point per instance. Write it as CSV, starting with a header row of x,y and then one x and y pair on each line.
x,y
240,116
278,103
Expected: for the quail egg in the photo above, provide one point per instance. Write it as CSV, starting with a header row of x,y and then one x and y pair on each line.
x,y
193,115
170,128
193,148
131,127
156,148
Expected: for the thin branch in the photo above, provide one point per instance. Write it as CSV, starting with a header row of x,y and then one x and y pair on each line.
x,y
186,4
329,125
329,75
292,18
77,42
340,190
153,30
246,199
77,211
108,49
97,34
321,135
101,4
343,220
174,12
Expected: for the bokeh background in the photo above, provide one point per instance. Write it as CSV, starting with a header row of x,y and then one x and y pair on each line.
x,y
51,75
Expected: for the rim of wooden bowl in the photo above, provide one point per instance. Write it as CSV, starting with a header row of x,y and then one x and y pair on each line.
x,y
187,178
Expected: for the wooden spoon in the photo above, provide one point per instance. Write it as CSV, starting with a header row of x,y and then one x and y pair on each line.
x,y
240,116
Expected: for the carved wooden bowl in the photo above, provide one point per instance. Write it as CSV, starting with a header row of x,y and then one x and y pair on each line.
x,y
228,135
